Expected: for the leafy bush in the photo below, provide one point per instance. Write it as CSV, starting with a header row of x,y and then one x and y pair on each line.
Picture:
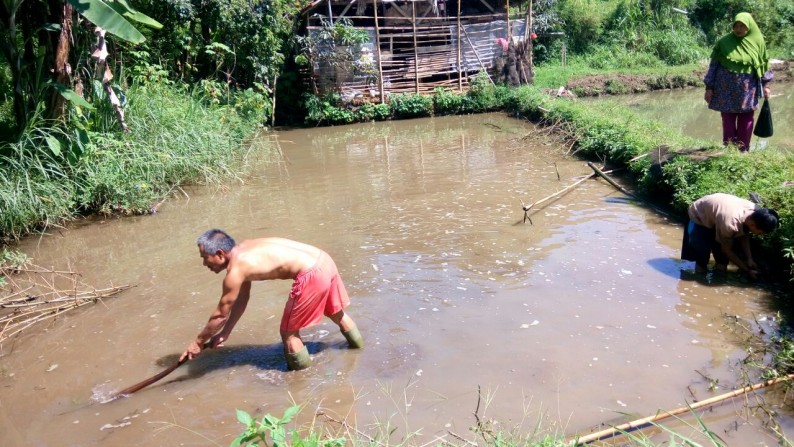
x,y
407,105
446,102
377,112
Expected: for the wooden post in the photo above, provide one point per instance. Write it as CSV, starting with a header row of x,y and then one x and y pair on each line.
x,y
531,45
507,16
460,68
330,13
273,114
377,47
416,51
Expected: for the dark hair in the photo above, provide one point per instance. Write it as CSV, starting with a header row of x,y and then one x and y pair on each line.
x,y
765,219
213,240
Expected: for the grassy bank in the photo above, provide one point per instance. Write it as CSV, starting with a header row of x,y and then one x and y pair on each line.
x,y
176,137
669,169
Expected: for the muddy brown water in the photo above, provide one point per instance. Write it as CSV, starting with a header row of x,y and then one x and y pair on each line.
x,y
577,319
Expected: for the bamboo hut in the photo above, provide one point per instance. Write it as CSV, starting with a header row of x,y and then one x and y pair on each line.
x,y
414,46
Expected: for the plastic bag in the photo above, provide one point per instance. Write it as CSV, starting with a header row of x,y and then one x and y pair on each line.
x,y
763,126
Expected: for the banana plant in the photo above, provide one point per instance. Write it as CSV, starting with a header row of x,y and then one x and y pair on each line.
x,y
27,25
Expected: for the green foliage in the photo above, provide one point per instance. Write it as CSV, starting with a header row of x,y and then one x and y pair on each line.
x,y
271,431
54,172
583,28
328,109
240,41
446,102
407,105
10,260
614,58
377,112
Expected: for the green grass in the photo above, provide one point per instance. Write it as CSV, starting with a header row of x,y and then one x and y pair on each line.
x,y
51,175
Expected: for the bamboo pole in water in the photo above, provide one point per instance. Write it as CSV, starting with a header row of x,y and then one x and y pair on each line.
x,y
551,196
639,423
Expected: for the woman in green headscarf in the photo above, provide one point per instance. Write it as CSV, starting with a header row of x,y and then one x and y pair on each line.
x,y
737,76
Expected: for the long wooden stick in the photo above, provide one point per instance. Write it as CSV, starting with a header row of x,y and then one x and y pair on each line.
x,y
639,423
550,196
603,175
143,384
140,385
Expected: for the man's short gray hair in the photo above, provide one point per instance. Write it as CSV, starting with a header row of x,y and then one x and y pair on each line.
x,y
213,240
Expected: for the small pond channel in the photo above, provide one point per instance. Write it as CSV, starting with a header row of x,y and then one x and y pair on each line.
x,y
686,110
579,318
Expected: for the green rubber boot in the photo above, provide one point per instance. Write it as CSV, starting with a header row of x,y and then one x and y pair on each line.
x,y
354,338
298,360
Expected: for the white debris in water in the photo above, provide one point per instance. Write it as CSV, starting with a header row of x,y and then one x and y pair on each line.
x,y
109,426
625,272
435,309
461,288
621,403
374,267
694,342
52,367
650,326
419,373
75,422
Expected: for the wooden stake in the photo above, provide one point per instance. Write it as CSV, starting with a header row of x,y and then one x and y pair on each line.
x,y
639,423
377,47
460,68
416,50
611,182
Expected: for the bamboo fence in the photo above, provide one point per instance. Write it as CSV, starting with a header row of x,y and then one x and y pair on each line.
x,y
33,294
416,51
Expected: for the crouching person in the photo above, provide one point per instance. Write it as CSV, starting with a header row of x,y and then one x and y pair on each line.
x,y
317,290
716,222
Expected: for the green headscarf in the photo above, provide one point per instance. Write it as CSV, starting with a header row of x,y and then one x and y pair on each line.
x,y
743,54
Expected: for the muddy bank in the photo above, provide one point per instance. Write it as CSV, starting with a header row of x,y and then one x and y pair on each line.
x,y
618,84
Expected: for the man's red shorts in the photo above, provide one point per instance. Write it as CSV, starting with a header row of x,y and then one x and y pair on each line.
x,y
316,292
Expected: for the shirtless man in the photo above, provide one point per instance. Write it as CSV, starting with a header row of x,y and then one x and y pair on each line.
x,y
715,222
317,290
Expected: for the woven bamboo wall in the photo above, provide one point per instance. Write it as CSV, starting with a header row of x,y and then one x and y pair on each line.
x,y
414,50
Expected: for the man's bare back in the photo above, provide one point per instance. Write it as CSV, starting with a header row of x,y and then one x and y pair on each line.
x,y
270,258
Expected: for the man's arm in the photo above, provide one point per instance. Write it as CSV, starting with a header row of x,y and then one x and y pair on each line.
x,y
727,250
218,318
237,311
748,254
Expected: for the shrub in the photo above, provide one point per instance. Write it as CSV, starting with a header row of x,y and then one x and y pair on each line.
x,y
408,105
446,102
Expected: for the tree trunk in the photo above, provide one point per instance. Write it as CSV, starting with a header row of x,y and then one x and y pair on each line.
x,y
62,70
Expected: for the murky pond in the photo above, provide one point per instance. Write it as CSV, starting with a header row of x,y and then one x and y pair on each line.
x,y
577,318
686,110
